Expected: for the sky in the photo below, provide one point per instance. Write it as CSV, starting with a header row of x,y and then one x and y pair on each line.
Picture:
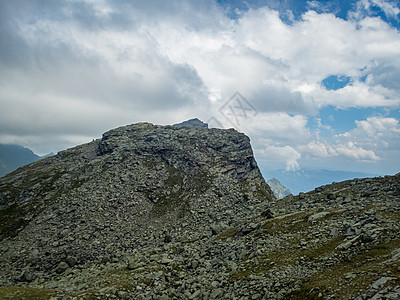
x,y
314,84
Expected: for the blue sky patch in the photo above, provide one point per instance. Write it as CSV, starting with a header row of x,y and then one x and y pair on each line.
x,y
292,10
335,82
342,120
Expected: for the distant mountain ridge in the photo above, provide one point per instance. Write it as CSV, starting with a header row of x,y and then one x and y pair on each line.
x,y
14,156
279,190
304,180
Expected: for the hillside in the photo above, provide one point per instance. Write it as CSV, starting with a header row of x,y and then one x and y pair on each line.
x,y
13,157
163,212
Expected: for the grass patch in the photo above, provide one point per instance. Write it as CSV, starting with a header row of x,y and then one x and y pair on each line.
x,y
287,223
226,234
365,265
15,218
19,292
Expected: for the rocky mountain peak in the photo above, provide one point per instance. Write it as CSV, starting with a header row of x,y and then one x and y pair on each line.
x,y
134,188
193,123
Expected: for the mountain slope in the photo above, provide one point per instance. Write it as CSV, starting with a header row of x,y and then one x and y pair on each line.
x,y
13,157
162,212
135,188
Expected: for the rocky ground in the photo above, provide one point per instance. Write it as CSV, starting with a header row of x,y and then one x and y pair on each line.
x,y
161,212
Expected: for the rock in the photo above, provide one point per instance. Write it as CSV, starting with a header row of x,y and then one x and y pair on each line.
x,y
167,238
246,229
216,294
267,214
71,261
348,244
350,276
122,294
331,196
318,216
381,282
62,266
215,229
318,190
195,295
27,276
166,260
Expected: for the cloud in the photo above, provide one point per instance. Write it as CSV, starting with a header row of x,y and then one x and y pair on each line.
x,y
373,139
366,8
70,70
358,94
318,149
349,149
352,150
280,153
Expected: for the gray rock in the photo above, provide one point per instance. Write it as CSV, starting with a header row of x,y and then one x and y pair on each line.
x,y
346,245
71,261
122,294
331,196
318,216
216,294
62,266
381,282
27,276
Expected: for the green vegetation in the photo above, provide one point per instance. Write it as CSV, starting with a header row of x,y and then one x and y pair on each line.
x,y
366,265
15,218
20,292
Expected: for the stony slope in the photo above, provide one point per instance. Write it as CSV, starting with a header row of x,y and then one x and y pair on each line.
x,y
134,189
160,212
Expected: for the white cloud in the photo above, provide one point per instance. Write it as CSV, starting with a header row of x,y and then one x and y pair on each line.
x,y
352,150
281,127
373,139
364,8
281,153
318,149
82,67
358,94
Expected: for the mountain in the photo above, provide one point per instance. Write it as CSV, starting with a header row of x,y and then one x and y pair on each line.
x,y
308,179
13,156
196,123
165,212
278,189
139,188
